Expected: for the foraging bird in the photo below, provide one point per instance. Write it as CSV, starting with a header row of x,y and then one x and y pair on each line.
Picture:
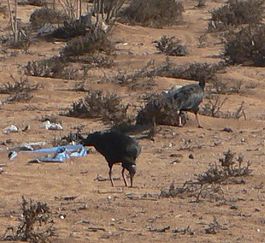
x,y
116,148
188,98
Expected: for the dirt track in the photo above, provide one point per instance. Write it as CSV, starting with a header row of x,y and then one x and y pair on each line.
x,y
122,213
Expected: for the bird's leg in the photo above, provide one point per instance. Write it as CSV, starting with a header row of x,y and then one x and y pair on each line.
x,y
110,175
123,176
180,121
131,178
199,125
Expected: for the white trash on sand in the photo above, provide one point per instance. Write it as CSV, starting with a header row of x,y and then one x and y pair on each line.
x,y
9,129
51,126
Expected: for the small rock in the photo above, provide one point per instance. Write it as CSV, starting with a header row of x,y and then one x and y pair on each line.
x,y
234,207
191,156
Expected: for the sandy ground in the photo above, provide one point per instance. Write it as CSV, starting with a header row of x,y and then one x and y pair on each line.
x,y
122,213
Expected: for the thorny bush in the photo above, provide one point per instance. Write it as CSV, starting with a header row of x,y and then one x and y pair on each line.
x,y
237,12
155,13
97,104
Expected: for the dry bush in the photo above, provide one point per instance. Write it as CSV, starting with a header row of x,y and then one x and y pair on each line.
x,y
19,90
214,227
155,13
93,42
107,9
171,46
55,67
17,97
42,16
74,28
246,46
207,185
201,3
38,3
97,104
237,12
92,61
229,87
36,223
52,67
194,71
161,109
214,105
139,78
18,86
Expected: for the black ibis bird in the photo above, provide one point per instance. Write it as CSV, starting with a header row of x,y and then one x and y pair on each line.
x,y
116,147
188,98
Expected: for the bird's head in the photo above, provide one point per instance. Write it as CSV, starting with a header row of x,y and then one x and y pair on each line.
x,y
90,140
202,84
132,170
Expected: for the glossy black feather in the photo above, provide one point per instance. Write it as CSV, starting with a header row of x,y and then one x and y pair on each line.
x,y
114,146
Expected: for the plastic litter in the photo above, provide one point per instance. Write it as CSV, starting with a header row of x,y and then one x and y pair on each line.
x,y
61,153
52,126
12,155
9,129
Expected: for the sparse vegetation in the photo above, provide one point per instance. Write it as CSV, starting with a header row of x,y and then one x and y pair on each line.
x,y
36,223
42,16
194,71
171,46
214,105
226,87
214,227
18,86
155,13
97,104
19,90
201,3
56,67
208,184
74,28
246,46
94,42
236,13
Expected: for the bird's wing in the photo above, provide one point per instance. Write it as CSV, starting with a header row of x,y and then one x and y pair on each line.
x,y
188,97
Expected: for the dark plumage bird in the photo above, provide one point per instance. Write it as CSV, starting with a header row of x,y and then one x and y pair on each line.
x,y
188,98
116,148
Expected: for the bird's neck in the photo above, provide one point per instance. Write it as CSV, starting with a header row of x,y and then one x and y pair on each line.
x,y
202,84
